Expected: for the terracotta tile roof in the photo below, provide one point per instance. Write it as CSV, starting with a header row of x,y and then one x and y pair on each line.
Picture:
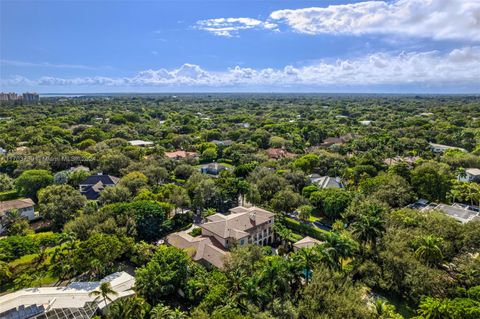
x,y
278,153
15,204
205,248
180,154
238,222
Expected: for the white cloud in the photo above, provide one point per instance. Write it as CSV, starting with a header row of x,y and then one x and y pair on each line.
x,y
437,19
228,27
432,68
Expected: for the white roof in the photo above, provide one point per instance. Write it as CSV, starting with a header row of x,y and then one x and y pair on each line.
x,y
306,242
140,143
325,181
473,171
446,147
463,215
74,295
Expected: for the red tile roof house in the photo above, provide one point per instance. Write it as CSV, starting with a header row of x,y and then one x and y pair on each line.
x,y
278,153
180,154
242,226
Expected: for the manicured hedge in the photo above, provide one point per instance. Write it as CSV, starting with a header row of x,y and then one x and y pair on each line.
x,y
8,195
304,229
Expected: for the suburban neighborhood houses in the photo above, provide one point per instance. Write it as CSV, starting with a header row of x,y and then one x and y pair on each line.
x,y
239,207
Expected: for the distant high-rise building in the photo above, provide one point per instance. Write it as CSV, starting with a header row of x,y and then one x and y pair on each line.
x,y
8,96
30,97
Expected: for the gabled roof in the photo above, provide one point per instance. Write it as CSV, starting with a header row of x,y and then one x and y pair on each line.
x,y
10,205
306,242
324,181
200,248
106,180
238,222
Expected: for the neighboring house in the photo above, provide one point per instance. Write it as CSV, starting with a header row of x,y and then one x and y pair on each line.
x,y
95,184
72,301
306,242
325,181
440,148
471,175
242,226
329,141
212,169
244,125
278,153
3,151
141,143
365,122
460,213
222,143
24,206
409,160
180,154
21,149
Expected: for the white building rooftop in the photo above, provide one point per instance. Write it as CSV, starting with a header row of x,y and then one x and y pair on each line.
x,y
140,143
75,295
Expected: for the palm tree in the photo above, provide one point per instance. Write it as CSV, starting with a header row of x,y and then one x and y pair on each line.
x,y
367,229
104,290
338,248
434,308
250,292
284,234
307,257
135,307
429,249
161,311
14,223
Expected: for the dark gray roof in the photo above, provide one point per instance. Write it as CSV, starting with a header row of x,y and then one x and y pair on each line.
x,y
104,179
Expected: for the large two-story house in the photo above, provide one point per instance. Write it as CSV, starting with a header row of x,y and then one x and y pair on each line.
x,y
244,225
95,184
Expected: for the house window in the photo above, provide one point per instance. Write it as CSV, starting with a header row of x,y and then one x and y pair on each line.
x,y
241,242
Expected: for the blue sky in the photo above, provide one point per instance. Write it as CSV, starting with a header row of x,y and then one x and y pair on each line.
x,y
416,46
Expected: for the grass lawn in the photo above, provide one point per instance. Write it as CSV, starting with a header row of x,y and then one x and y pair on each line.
x,y
27,264
314,218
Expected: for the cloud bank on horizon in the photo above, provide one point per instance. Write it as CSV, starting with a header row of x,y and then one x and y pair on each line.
x,y
424,68
457,21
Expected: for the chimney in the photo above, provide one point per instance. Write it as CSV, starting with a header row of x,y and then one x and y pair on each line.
x,y
252,216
